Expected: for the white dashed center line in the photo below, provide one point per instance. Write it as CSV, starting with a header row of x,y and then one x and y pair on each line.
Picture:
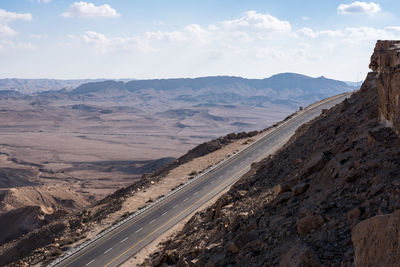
x,y
89,262
123,240
138,230
152,221
185,199
163,213
108,250
195,193
175,206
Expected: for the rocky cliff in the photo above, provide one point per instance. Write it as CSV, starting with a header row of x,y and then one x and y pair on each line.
x,y
329,197
385,62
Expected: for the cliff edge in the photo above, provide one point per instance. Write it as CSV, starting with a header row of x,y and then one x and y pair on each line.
x,y
329,197
385,62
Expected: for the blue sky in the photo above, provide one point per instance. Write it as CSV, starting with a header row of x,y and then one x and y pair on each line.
x,y
161,39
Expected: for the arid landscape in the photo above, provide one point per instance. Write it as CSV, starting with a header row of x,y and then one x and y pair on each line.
x,y
199,133
63,150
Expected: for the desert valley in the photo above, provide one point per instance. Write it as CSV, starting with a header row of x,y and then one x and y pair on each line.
x,y
72,147
199,133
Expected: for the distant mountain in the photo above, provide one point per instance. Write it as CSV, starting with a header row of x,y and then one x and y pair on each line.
x,y
355,84
286,88
29,86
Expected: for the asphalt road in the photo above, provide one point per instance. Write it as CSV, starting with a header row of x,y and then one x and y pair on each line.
x,y
125,241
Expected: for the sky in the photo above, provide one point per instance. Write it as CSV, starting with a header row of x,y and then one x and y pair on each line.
x,y
145,39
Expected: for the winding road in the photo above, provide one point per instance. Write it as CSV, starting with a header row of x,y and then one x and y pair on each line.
x,y
124,241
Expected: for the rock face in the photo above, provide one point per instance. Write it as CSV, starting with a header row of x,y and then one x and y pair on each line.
x,y
325,189
385,61
377,241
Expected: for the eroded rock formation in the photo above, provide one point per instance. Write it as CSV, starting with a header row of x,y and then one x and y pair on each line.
x,y
385,62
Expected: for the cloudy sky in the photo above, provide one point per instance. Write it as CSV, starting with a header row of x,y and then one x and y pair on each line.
x,y
160,39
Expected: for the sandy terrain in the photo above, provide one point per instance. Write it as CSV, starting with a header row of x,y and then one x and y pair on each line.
x,y
87,147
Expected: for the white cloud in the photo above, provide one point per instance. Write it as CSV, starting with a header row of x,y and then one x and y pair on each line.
x,y
307,32
6,16
6,31
358,7
259,21
89,10
104,44
38,36
353,34
305,18
10,45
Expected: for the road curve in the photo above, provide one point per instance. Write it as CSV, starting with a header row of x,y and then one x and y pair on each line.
x,y
123,242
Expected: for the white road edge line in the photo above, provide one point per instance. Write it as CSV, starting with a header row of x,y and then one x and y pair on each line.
x,y
138,230
123,240
108,250
89,262
152,221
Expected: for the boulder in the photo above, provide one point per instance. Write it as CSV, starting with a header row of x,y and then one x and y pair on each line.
x,y
300,256
376,241
309,223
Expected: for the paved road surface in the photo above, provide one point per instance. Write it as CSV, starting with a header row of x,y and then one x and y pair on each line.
x,y
122,243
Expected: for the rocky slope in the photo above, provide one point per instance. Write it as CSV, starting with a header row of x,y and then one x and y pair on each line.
x,y
330,197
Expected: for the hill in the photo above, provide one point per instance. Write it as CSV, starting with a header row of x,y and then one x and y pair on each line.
x,y
286,88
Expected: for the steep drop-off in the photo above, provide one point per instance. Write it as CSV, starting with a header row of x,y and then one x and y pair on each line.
x,y
330,197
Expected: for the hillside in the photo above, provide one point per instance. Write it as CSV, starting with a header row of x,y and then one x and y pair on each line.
x,y
330,197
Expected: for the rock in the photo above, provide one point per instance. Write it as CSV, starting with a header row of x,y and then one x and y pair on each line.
x,y
219,204
370,139
309,223
243,214
280,188
300,256
233,248
386,62
283,197
377,241
209,215
317,162
242,193
352,215
300,188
